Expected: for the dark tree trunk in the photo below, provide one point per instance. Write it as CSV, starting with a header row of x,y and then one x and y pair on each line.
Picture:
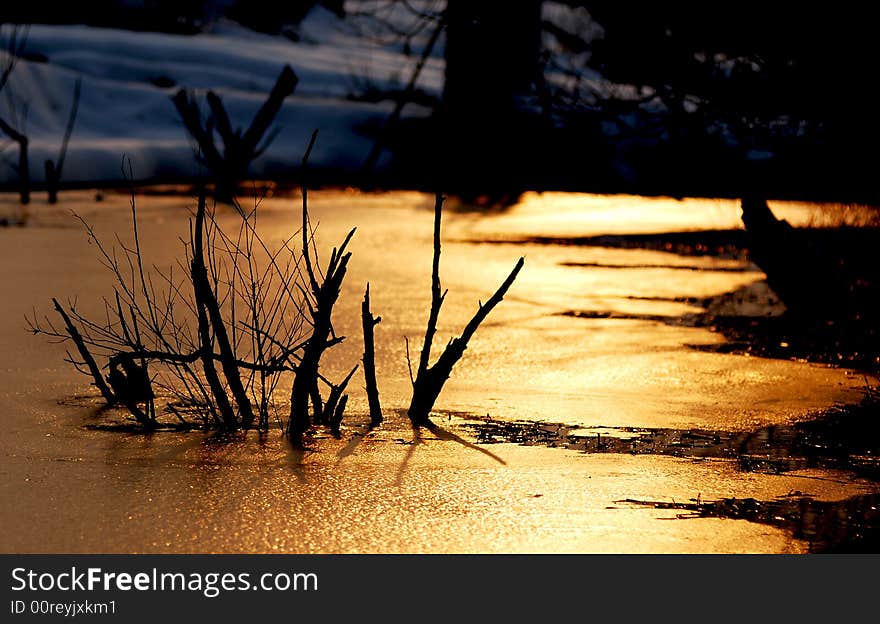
x,y
493,58
492,55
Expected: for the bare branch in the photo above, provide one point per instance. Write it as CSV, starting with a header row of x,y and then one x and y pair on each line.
x,y
369,323
86,355
429,380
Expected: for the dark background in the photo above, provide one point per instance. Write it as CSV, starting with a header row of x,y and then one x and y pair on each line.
x,y
777,99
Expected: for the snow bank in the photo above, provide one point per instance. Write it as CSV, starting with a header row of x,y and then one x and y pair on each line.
x,y
129,78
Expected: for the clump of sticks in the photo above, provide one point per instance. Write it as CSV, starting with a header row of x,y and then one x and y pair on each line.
x,y
208,339
213,334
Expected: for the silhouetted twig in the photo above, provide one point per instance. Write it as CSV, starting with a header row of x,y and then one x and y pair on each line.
x,y
320,301
319,296
208,313
369,323
429,380
86,355
336,402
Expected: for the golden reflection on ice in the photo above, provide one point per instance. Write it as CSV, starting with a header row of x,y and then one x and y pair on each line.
x,y
625,356
581,214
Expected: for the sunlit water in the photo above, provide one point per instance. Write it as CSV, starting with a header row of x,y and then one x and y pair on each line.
x,y
77,489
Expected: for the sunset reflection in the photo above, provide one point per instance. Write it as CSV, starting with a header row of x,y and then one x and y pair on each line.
x,y
605,339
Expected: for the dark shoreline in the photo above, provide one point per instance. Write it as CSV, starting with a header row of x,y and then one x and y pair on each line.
x,y
380,183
